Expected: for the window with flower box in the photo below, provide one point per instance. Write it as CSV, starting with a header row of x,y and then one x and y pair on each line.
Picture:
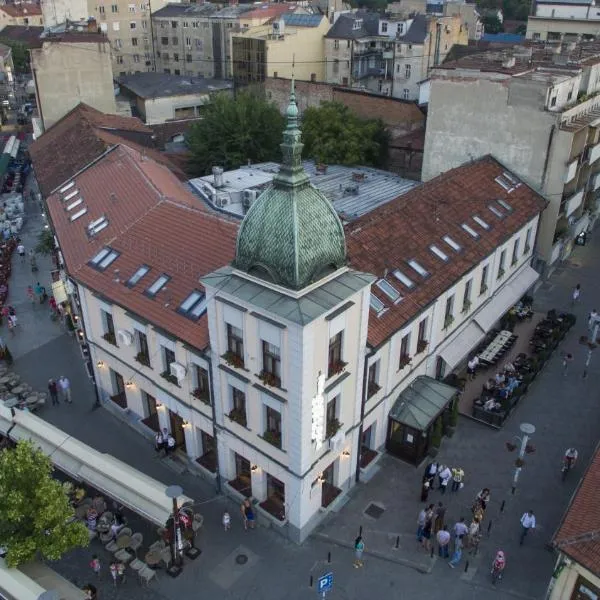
x,y
271,365
335,363
201,386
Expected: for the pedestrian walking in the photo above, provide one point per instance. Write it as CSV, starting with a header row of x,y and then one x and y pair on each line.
x,y
421,523
53,391
247,514
159,443
457,478
444,475
426,535
430,472
440,513
443,540
527,523
359,548
95,565
592,318
459,530
39,292
458,545
170,445
114,572
567,360
21,251
576,294
425,490
65,387
483,497
226,520
474,536
472,367
12,324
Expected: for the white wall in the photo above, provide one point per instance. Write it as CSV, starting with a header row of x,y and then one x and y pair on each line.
x,y
55,12
566,11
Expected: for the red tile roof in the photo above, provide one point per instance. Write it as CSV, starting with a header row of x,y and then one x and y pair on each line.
x,y
268,11
152,219
22,10
579,534
386,238
79,138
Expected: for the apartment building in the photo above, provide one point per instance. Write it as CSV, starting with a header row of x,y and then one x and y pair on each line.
x,y
291,45
278,351
563,20
25,14
537,111
388,55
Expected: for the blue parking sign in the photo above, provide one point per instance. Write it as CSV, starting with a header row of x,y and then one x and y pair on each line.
x,y
325,583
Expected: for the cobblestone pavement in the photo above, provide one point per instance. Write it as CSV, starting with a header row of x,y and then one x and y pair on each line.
x,y
565,411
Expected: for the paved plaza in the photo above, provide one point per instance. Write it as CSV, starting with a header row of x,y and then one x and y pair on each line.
x,y
565,411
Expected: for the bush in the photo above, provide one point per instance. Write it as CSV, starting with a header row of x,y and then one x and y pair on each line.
x,y
454,413
436,435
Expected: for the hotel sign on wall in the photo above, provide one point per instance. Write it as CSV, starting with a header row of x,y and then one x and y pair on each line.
x,y
318,413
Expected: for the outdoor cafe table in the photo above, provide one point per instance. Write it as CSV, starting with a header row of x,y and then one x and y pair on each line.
x,y
11,402
495,346
123,541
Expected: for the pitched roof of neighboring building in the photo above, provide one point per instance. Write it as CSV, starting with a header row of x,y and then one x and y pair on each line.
x,y
403,230
233,11
417,32
79,138
165,132
185,10
29,36
268,10
344,27
143,204
162,85
22,10
579,534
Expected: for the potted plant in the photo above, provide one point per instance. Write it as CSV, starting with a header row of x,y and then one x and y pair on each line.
x,y
372,388
273,437
143,359
333,426
336,367
202,395
466,306
404,360
448,321
239,416
269,378
234,360
170,378
436,437
109,336
421,345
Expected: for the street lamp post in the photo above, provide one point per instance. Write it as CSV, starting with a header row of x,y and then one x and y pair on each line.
x,y
527,430
173,492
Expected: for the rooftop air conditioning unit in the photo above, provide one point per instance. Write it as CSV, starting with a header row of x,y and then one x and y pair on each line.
x,y
249,196
221,201
177,370
124,337
337,441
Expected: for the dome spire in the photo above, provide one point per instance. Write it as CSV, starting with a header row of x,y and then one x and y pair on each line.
x,y
291,173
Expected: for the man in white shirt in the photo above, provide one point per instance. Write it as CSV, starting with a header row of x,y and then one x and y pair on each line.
x,y
21,251
445,475
443,540
65,387
460,528
472,366
527,523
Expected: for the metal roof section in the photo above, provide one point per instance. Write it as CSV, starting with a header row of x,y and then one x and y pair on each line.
x,y
353,191
300,20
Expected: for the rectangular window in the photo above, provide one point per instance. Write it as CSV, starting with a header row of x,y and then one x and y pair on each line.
x,y
501,264
109,328
470,231
176,57
238,407
201,385
335,363
186,24
336,44
168,358
467,296
157,285
199,45
131,8
407,70
456,247
373,379
235,342
143,355
404,351
173,24
449,312
101,10
136,58
389,290
134,41
116,26
422,339
164,41
271,364
188,42
418,268
515,252
484,275
332,423
195,24
188,58
175,41
118,43
272,426
528,240
194,306
114,8
405,94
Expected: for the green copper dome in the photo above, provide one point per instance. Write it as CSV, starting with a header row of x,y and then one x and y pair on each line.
x,y
291,235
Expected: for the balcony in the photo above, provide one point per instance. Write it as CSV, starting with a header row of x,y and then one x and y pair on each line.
x,y
573,203
143,359
594,153
571,170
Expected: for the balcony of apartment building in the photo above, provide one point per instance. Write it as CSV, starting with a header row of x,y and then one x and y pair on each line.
x,y
378,69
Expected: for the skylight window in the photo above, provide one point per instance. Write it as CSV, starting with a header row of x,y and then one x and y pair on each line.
x,y
402,278
454,245
470,230
137,275
505,205
376,304
481,222
97,226
389,290
75,204
194,305
157,285
70,195
422,271
104,258
78,214
67,187
496,211
438,252
505,183
512,178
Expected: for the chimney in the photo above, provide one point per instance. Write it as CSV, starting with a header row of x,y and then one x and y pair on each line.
x,y
92,26
218,176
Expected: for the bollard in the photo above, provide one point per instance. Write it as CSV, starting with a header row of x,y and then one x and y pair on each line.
x,y
329,557
397,542
502,505
489,527
466,566
514,489
311,581
360,531
432,551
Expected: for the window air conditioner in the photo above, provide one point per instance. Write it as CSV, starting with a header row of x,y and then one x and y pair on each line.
x,y
177,370
337,441
124,337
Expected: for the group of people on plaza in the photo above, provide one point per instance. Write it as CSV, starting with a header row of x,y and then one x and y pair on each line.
x,y
60,389
445,475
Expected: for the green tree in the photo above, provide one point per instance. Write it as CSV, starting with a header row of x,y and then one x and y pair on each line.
x,y
492,24
34,512
333,134
234,130
45,244
20,55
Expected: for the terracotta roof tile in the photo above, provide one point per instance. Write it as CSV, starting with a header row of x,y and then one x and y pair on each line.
x,y
24,10
29,36
268,11
153,220
386,238
579,534
79,138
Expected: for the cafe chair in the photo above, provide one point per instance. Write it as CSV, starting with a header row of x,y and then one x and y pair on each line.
x,y
136,541
124,531
123,556
146,575
137,565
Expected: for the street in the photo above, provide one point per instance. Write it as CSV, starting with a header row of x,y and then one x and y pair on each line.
x,y
564,410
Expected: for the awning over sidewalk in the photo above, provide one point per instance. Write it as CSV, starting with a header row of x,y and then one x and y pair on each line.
x,y
462,344
119,481
421,402
59,291
507,296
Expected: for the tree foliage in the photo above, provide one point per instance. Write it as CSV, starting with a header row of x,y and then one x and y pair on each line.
x,y
45,244
517,10
333,134
35,512
235,130
20,55
492,24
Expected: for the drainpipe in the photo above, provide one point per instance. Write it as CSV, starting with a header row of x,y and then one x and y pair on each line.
x,y
214,422
362,416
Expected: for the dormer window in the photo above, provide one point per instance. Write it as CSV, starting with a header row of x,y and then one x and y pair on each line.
x,y
422,271
358,23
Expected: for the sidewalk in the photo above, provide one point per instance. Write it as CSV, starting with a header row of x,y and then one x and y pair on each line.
x,y
564,410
